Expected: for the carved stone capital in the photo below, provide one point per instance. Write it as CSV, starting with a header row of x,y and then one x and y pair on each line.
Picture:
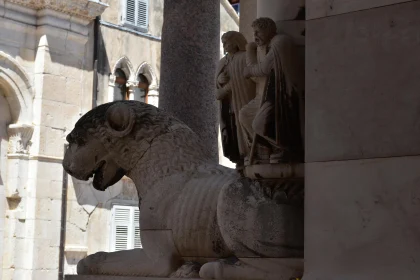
x,y
154,89
84,9
20,138
132,84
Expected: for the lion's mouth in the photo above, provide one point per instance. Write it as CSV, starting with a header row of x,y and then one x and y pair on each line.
x,y
98,175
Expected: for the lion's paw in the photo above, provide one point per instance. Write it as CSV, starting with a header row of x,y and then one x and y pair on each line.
x,y
212,270
187,270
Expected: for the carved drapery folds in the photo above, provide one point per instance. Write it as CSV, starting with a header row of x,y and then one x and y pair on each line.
x,y
20,138
271,124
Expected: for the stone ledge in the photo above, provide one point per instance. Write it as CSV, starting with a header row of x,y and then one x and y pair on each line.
x,y
274,171
99,277
85,9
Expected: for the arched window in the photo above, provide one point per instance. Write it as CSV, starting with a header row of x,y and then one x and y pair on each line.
x,y
120,89
146,84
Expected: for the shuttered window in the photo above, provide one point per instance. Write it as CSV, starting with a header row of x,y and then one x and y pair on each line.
x,y
135,13
125,228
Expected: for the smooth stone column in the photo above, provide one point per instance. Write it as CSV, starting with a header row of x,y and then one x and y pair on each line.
x,y
190,51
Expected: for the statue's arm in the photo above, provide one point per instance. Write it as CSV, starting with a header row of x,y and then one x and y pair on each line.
x,y
261,69
224,91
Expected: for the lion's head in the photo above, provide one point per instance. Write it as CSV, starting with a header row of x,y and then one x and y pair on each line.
x,y
109,140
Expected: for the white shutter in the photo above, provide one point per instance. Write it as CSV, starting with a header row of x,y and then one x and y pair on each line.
x,y
137,241
121,228
142,13
129,11
125,228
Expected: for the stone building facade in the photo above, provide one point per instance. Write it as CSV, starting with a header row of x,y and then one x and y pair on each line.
x,y
57,60
45,86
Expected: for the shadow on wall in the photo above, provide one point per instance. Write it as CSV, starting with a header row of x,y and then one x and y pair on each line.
x,y
103,68
72,53
8,97
89,197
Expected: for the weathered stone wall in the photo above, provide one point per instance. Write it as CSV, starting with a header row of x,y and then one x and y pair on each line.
x,y
46,78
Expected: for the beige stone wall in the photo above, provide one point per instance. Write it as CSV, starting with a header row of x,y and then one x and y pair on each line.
x,y
88,227
46,80
114,12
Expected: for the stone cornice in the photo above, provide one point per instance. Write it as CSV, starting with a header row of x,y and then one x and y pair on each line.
x,y
84,9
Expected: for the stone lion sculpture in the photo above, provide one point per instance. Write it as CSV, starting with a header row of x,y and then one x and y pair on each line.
x,y
198,218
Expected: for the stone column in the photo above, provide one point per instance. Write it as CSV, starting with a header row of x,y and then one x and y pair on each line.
x,y
190,51
248,14
362,133
153,96
133,90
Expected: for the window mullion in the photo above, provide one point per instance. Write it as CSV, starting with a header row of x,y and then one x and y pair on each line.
x,y
113,226
131,230
136,11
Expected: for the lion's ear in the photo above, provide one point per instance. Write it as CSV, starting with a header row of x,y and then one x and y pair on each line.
x,y
120,119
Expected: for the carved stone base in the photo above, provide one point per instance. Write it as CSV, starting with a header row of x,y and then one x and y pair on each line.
x,y
99,277
256,268
274,171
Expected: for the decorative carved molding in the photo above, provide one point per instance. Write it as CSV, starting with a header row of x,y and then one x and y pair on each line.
x,y
85,9
20,138
132,84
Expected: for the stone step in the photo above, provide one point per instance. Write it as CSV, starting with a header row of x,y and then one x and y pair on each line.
x,y
100,277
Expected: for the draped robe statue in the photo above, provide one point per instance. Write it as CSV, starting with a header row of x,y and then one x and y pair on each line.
x,y
276,118
233,91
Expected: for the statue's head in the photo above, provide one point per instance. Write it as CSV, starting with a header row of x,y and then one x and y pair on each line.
x,y
108,141
264,30
233,41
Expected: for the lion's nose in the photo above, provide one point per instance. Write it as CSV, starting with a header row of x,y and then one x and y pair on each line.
x,y
67,165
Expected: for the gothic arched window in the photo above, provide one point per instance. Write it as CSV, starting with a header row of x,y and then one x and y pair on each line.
x,y
143,85
120,89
